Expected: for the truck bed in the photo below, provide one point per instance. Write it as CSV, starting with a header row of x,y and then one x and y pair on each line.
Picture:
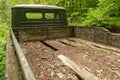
x,y
40,47
42,57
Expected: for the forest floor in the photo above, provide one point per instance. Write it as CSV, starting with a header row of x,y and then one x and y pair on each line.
x,y
42,57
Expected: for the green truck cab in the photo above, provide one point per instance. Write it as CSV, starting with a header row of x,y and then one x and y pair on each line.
x,y
38,15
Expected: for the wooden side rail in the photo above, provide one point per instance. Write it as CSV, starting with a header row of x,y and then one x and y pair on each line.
x,y
27,72
13,70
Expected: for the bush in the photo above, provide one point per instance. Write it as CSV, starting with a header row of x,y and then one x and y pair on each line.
x,y
2,61
4,28
3,36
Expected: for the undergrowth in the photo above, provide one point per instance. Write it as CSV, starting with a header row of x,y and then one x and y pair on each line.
x,y
2,61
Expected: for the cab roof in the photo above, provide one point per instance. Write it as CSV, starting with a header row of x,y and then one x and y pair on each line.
x,y
38,6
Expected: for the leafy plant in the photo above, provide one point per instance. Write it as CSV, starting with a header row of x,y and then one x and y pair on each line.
x,y
2,60
4,28
101,15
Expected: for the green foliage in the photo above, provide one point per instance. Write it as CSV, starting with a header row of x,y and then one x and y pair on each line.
x,y
2,60
104,13
4,11
4,28
3,36
99,16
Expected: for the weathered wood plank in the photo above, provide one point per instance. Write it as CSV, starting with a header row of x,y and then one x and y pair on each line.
x,y
28,74
13,71
89,43
84,74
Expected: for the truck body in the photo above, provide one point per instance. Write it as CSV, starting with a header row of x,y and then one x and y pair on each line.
x,y
40,33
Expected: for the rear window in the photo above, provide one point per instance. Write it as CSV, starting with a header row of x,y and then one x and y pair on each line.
x,y
34,15
53,16
49,15
42,16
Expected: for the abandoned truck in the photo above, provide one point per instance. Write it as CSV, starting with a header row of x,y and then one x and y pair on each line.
x,y
41,46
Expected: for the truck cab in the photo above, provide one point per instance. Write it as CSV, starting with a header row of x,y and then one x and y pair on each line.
x,y
38,15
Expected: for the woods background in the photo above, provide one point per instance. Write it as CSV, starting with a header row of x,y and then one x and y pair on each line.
x,y
101,13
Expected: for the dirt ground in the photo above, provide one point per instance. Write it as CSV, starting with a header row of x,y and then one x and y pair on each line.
x,y
42,57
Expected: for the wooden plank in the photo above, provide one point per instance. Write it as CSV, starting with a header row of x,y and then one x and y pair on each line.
x,y
115,49
13,71
84,74
28,74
